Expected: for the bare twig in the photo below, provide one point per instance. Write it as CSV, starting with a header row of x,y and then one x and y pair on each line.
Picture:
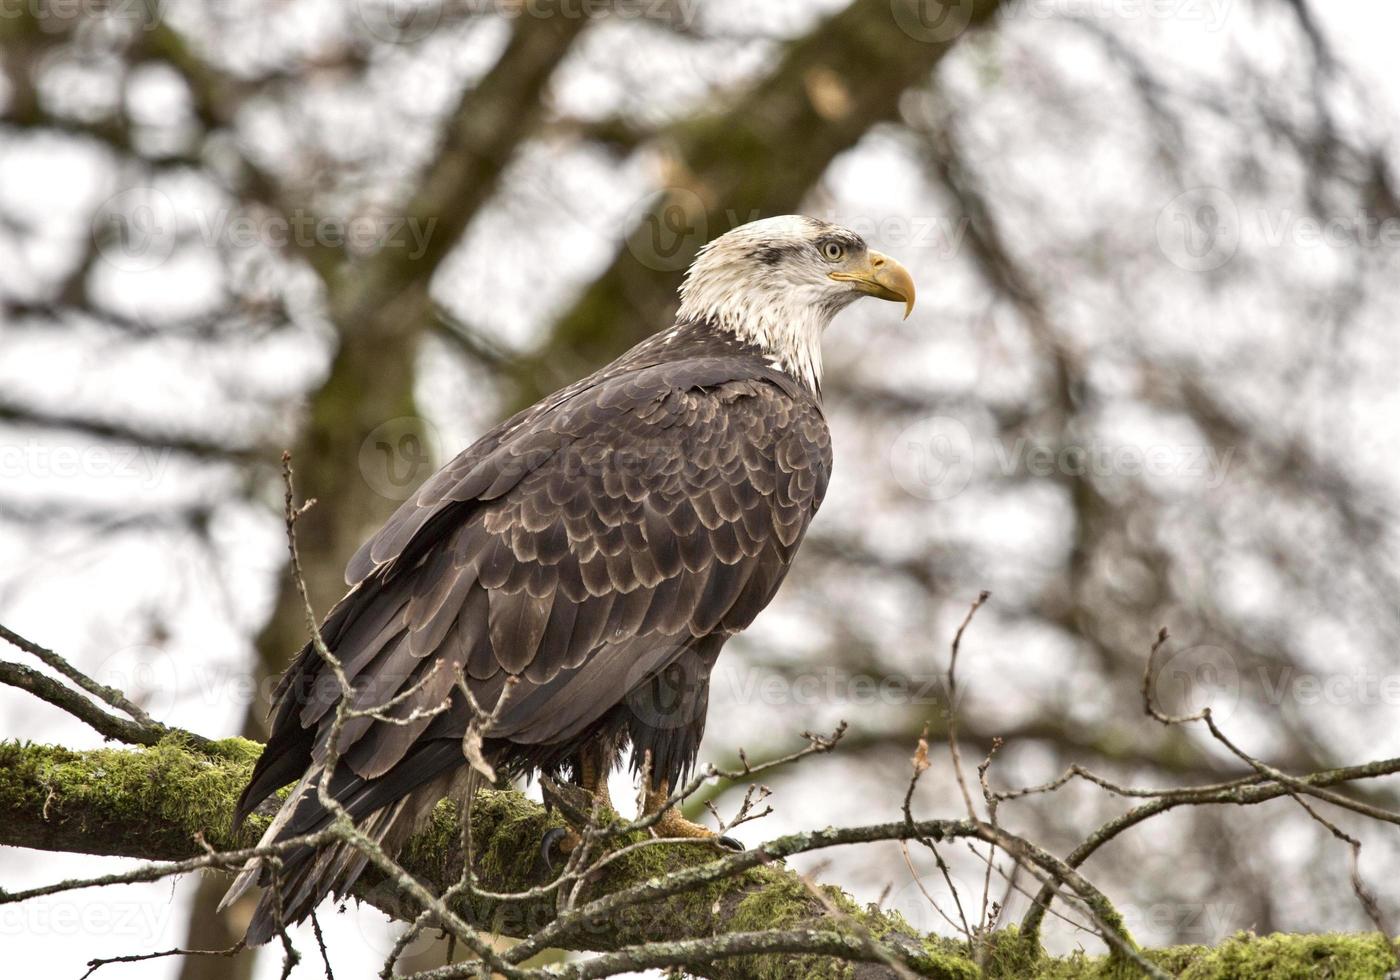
x,y
59,695
321,945
110,695
953,749
157,870
94,965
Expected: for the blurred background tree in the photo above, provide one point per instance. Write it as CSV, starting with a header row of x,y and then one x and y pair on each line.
x,y
1147,382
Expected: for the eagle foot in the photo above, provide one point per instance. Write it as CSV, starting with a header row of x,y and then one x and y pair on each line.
x,y
575,803
580,806
672,824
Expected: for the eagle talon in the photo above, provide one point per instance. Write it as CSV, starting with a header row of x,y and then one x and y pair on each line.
x,y
559,837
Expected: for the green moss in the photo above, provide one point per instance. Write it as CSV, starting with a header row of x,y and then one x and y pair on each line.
x,y
1007,953
508,829
1245,956
23,778
1279,957
169,790
437,842
782,901
235,749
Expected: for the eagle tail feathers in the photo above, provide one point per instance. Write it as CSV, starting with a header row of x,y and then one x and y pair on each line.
x,y
307,875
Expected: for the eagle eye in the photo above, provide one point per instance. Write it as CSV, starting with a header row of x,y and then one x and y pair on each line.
x,y
833,251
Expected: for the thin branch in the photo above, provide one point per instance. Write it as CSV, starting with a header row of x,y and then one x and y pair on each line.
x,y
155,871
110,695
685,952
953,749
59,695
96,964
321,945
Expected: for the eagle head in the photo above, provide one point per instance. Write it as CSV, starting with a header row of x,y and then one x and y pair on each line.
x,y
777,283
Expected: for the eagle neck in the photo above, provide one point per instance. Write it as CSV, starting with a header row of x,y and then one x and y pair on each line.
x,y
787,335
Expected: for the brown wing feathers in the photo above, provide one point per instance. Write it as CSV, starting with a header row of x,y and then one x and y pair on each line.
x,y
583,546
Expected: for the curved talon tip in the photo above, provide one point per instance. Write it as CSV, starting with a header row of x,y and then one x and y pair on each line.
x,y
729,844
551,837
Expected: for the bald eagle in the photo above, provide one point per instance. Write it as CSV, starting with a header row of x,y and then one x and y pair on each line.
x,y
599,548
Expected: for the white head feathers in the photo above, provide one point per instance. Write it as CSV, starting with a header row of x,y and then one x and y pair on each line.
x,y
769,283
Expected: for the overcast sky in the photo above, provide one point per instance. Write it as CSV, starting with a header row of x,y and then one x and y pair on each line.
x,y
91,600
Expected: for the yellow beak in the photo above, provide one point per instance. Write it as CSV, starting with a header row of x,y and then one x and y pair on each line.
x,y
882,277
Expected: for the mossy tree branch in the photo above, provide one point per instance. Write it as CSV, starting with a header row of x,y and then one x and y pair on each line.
x,y
158,802
150,802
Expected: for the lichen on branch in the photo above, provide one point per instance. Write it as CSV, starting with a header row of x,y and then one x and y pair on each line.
x,y
160,802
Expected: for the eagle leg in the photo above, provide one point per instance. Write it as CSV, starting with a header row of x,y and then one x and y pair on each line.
x,y
593,768
672,824
591,775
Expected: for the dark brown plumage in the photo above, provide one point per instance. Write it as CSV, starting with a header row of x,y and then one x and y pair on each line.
x,y
600,546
